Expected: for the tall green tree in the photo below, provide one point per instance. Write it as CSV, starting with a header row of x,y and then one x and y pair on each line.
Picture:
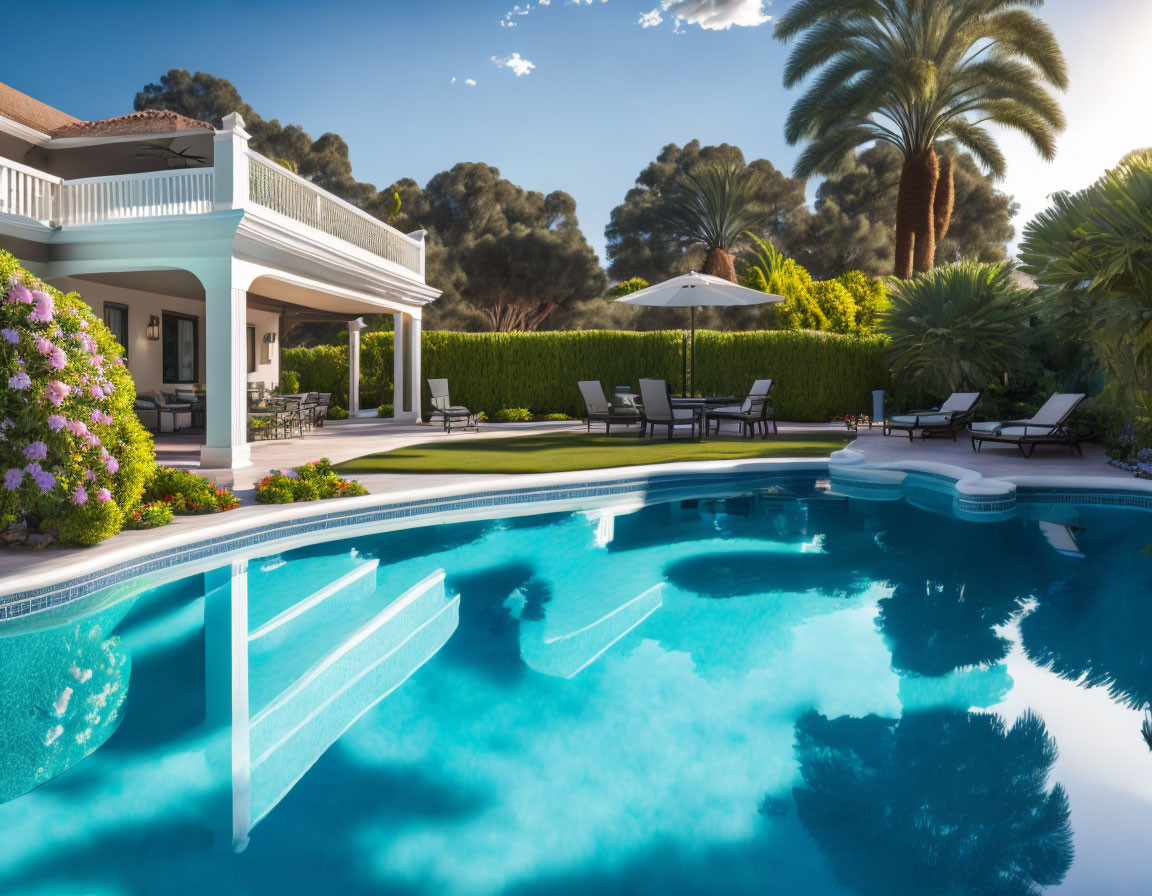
x,y
909,73
640,242
1092,253
852,226
713,207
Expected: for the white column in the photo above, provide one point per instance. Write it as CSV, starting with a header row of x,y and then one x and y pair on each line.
x,y
414,375
354,328
226,702
230,163
225,319
398,355
406,368
420,236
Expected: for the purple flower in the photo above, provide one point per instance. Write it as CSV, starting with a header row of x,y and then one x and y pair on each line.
x,y
77,427
57,360
83,321
13,478
43,310
89,476
11,335
43,478
56,422
43,345
79,496
92,439
96,360
20,293
99,416
20,381
111,464
56,391
36,451
95,391
103,495
88,343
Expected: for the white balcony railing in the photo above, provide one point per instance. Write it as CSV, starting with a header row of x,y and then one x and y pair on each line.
x,y
28,193
125,196
275,187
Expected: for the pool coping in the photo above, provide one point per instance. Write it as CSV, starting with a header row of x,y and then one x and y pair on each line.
x,y
212,542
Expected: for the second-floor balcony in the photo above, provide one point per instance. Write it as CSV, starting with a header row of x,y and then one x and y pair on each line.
x,y
255,183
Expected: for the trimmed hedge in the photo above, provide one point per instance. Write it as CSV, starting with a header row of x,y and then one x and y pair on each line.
x,y
818,375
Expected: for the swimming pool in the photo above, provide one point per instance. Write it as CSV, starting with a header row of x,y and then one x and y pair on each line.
x,y
769,688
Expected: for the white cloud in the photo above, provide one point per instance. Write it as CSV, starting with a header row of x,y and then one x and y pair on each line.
x,y
650,19
711,15
453,80
516,62
471,82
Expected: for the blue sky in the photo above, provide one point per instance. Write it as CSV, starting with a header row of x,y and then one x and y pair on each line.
x,y
604,93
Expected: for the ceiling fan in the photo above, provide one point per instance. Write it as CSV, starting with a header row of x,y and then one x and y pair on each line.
x,y
176,158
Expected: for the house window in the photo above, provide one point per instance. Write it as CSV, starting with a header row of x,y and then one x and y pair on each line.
x,y
251,349
116,318
179,342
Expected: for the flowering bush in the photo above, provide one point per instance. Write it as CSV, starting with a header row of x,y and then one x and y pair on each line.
x,y
310,482
512,415
186,492
73,456
149,516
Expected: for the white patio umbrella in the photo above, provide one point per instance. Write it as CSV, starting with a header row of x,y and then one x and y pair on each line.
x,y
694,291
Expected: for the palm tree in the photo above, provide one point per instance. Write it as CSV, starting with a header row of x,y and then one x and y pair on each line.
x,y
910,72
713,206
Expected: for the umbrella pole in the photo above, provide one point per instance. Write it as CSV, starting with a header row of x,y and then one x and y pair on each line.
x,y
683,366
692,361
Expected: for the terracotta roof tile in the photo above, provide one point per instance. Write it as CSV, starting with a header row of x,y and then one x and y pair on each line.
x,y
150,121
31,113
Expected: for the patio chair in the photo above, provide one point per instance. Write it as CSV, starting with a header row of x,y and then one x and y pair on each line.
x,y
600,410
658,410
1048,426
323,402
443,408
952,416
754,412
156,407
308,407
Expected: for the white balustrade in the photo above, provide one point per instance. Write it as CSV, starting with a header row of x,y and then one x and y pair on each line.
x,y
28,193
125,196
275,187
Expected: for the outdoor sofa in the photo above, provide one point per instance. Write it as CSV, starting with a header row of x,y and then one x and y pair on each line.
x,y
1048,426
951,417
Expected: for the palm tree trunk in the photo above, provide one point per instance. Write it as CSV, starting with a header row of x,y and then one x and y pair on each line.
x,y
720,264
915,221
944,201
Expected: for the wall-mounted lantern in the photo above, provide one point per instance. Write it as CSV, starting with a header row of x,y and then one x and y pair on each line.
x,y
153,332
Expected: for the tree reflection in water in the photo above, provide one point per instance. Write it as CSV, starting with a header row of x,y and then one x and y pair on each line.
x,y
938,802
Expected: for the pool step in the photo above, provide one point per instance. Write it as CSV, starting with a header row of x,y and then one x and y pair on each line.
x,y
293,729
360,581
275,586
568,654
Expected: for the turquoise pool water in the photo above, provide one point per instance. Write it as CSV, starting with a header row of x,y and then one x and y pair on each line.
x,y
772,691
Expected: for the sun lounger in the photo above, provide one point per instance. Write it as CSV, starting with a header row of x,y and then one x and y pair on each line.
x,y
948,419
599,409
1048,426
444,410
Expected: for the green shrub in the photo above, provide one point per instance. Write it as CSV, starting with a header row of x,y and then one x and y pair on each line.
x,y
512,415
149,516
289,382
71,437
91,522
552,417
310,482
385,410
335,412
322,368
187,492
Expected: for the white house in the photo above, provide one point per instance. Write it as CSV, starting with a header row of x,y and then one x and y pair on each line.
x,y
197,251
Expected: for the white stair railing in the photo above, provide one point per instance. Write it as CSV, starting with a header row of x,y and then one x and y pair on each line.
x,y
28,193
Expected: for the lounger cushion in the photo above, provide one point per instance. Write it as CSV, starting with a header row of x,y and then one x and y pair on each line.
x,y
988,428
922,420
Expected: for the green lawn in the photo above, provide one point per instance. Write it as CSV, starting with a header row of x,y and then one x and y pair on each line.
x,y
557,452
